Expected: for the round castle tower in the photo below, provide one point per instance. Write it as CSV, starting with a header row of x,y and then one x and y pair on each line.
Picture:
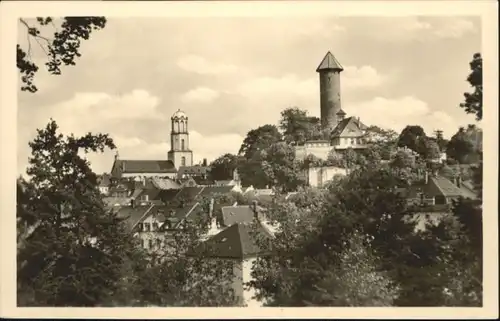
x,y
329,85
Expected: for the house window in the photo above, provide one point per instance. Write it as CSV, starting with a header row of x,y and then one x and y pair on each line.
x,y
182,144
140,227
183,159
353,141
155,226
158,243
150,243
147,227
143,244
439,200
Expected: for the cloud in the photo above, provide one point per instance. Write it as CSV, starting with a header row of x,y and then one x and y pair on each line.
x,y
361,77
200,65
290,84
93,111
90,110
286,84
412,28
199,95
454,28
213,146
399,112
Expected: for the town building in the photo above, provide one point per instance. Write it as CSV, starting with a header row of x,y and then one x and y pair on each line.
x,y
342,133
244,236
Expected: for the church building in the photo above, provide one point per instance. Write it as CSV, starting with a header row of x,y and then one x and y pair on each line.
x,y
343,132
179,156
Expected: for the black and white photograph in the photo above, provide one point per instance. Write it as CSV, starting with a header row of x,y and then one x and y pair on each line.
x,y
250,160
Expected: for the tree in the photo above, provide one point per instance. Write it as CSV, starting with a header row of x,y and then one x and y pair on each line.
x,y
249,168
357,282
298,127
62,49
473,103
460,146
179,275
281,167
335,158
428,148
376,134
258,139
373,154
353,159
440,140
223,167
385,141
410,136
76,250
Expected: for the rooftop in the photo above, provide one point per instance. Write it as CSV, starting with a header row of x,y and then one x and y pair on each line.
x,y
239,241
329,62
145,166
179,114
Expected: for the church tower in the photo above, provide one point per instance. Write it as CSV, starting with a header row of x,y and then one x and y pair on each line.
x,y
329,86
179,153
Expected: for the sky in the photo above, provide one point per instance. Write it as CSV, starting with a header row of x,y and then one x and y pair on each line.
x,y
231,75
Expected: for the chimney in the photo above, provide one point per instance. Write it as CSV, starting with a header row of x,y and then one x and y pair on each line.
x,y
205,162
132,203
254,210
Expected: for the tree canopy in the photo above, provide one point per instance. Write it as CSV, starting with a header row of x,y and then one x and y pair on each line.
x,y
473,103
298,127
222,168
61,49
77,248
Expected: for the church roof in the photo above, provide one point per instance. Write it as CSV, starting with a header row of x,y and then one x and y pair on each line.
x,y
145,166
329,62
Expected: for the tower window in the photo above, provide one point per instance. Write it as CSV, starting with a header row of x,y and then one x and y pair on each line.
x,y
183,159
182,144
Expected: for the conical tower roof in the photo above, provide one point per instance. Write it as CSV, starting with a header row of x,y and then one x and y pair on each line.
x,y
329,63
